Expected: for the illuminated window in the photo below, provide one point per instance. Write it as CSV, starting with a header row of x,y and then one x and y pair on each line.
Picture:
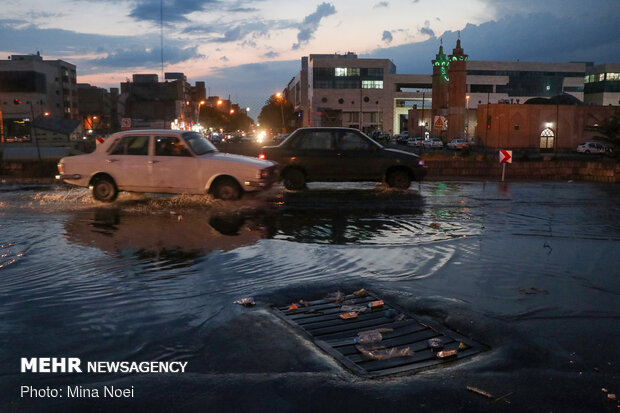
x,y
372,84
347,71
613,76
601,77
546,139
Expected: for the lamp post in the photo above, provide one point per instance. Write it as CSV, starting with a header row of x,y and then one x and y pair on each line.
x,y
281,99
467,118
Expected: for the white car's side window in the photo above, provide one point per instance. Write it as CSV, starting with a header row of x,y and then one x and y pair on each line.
x,y
170,146
132,145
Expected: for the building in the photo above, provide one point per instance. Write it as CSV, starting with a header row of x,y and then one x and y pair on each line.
x,y
344,90
602,85
98,110
147,103
31,87
552,124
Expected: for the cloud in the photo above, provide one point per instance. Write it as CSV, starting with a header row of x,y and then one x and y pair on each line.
x,y
173,10
311,23
381,4
387,36
535,37
140,57
224,59
271,55
427,30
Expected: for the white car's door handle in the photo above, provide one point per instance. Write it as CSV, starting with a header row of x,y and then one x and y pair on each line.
x,y
110,160
152,162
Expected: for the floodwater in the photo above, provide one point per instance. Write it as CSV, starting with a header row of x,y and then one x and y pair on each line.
x,y
529,269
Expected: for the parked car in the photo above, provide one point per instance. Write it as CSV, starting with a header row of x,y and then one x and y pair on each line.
x,y
166,161
341,154
416,142
401,138
458,144
280,137
433,143
593,147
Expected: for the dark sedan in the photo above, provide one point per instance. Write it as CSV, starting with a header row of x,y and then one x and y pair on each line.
x,y
341,154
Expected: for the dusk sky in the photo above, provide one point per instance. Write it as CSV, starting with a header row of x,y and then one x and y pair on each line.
x,y
251,49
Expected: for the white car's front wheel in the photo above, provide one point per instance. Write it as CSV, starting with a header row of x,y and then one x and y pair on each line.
x,y
227,189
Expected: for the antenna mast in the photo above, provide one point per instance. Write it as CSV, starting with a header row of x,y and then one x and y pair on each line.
x,y
161,13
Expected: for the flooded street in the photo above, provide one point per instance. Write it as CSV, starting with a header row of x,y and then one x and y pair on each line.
x,y
529,269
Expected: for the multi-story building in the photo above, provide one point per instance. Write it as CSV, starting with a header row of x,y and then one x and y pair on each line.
x,y
342,90
147,103
97,109
31,87
602,85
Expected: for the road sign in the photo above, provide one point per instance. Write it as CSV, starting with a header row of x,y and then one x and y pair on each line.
x,y
125,123
439,123
505,156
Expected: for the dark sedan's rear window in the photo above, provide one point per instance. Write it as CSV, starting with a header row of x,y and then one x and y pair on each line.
x,y
314,140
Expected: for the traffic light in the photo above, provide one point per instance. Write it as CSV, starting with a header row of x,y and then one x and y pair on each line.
x,y
16,101
489,122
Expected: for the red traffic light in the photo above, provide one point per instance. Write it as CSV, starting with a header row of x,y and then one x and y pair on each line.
x,y
17,101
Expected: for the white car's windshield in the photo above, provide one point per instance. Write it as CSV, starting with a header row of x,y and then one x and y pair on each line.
x,y
199,144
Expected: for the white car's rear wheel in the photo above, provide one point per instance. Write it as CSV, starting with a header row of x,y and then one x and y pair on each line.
x,y
104,190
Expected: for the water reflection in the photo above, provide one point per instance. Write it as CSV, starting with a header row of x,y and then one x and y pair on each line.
x,y
163,235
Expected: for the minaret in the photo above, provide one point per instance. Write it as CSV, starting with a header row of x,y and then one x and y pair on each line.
x,y
457,92
440,89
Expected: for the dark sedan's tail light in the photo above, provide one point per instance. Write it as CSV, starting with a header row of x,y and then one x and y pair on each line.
x,y
261,156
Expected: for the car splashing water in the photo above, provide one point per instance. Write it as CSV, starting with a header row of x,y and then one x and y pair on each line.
x,y
152,277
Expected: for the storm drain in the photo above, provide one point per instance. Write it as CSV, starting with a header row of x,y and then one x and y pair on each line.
x,y
374,338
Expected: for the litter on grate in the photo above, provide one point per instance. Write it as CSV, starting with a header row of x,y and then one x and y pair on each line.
x,y
400,342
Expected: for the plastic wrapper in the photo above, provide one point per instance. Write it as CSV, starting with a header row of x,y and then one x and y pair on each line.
x,y
246,302
384,353
336,297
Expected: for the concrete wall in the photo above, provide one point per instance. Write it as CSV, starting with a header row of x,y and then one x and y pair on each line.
x,y
601,171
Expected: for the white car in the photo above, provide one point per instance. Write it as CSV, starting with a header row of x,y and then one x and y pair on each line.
x,y
416,142
165,161
593,147
458,144
433,143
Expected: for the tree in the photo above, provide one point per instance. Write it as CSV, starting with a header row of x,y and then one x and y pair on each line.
x,y
276,114
215,118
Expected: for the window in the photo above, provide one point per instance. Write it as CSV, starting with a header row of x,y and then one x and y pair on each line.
x,y
347,71
170,146
132,145
321,140
372,84
199,144
546,139
350,141
601,77
613,76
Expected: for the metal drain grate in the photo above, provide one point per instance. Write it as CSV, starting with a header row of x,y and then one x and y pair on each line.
x,y
321,320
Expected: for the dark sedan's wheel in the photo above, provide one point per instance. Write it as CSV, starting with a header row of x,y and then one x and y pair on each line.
x,y
399,179
227,190
294,179
104,190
